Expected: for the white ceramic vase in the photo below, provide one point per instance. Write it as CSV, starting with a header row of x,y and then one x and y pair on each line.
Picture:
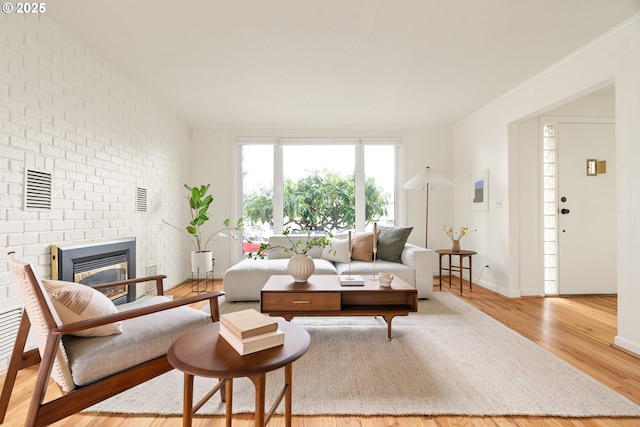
x,y
301,267
201,262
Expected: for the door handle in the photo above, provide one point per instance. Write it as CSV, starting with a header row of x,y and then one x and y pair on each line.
x,y
564,211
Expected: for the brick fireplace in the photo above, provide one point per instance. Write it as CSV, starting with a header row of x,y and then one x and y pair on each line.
x,y
94,263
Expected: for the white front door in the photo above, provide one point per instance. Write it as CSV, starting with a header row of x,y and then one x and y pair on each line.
x,y
587,210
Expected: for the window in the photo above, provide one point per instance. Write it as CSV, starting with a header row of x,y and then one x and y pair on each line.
x,y
549,213
321,185
380,172
257,180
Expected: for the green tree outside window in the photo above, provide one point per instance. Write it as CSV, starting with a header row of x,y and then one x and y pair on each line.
x,y
320,202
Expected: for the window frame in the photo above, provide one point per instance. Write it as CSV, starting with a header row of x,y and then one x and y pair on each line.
x,y
278,172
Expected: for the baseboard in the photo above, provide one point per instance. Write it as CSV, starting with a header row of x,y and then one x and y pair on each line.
x,y
627,346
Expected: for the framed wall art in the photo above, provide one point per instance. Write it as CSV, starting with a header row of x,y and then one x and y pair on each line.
x,y
480,191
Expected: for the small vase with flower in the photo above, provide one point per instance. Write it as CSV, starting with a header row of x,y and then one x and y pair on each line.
x,y
456,235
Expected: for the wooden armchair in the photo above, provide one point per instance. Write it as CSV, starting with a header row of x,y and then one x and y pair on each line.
x,y
157,322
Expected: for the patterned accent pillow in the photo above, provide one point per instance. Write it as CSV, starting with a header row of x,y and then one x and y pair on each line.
x,y
75,302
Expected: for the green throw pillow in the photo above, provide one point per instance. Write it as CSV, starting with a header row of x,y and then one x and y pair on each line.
x,y
391,242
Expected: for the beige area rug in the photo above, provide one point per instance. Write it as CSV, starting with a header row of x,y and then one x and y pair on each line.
x,y
447,359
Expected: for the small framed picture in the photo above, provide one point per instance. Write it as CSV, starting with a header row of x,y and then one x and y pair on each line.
x,y
480,191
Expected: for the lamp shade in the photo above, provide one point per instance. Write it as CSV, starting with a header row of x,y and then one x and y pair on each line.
x,y
427,177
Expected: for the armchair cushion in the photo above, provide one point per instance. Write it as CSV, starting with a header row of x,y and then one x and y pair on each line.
x,y
75,302
144,338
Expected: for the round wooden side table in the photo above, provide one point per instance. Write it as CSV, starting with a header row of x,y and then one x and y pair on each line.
x,y
462,254
202,352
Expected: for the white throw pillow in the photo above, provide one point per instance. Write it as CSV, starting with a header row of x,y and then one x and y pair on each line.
x,y
75,302
338,251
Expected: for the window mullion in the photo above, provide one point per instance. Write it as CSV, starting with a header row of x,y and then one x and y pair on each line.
x,y
278,190
359,188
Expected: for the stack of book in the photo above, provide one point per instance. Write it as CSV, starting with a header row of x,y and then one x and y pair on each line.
x,y
351,280
249,331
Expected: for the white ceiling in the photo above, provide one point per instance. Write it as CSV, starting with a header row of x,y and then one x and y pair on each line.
x,y
354,63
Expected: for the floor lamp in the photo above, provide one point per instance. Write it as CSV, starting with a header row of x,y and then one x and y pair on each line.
x,y
427,178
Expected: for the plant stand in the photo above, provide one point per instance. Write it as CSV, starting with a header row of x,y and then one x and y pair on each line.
x,y
202,281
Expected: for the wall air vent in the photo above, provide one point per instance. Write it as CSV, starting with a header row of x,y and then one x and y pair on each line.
x,y
37,190
141,199
9,323
152,270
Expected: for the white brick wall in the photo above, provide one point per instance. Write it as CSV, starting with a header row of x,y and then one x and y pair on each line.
x,y
65,110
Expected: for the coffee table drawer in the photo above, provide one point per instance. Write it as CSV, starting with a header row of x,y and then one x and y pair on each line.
x,y
300,301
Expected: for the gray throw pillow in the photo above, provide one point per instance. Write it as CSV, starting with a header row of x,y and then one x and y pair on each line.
x,y
391,242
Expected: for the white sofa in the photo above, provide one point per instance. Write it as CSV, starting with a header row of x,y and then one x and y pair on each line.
x,y
243,281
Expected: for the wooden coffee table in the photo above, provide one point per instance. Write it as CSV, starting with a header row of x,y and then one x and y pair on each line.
x,y
201,352
322,295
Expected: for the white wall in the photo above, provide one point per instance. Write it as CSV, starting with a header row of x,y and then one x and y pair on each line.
x,y
488,140
213,162
525,199
215,159
431,148
64,110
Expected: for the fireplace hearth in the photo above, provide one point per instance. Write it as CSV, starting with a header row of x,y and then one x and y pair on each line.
x,y
95,263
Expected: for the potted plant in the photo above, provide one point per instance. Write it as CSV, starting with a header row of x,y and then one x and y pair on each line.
x,y
301,265
199,203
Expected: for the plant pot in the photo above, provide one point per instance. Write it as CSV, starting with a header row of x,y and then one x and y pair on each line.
x,y
201,262
455,245
301,267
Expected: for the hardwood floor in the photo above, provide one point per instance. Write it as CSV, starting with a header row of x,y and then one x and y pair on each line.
x,y
578,330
